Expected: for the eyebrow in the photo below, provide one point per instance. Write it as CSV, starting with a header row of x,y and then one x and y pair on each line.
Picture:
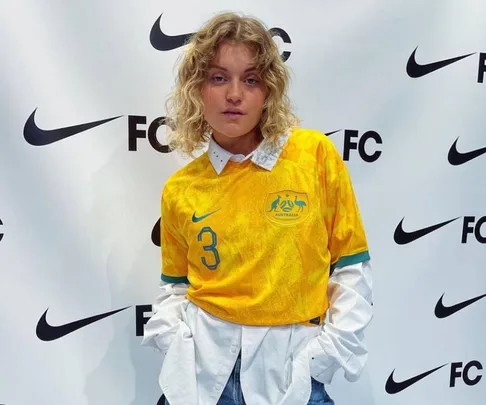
x,y
213,66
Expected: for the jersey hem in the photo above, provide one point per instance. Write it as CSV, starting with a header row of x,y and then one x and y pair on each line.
x,y
311,321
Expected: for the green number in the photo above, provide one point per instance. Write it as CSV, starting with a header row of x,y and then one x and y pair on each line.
x,y
210,248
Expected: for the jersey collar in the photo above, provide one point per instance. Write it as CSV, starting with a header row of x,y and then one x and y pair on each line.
x,y
264,156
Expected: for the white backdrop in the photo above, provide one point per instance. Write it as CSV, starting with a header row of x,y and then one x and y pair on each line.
x,y
76,215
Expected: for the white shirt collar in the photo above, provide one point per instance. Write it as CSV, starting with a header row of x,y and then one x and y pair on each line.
x,y
264,155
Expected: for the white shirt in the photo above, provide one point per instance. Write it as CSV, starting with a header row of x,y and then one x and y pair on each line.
x,y
199,350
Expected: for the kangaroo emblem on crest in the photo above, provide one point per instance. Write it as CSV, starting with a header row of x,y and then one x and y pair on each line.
x,y
275,204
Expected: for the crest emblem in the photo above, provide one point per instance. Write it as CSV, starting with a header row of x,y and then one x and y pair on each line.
x,y
287,207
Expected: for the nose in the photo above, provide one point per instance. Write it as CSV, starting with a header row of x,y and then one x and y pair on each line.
x,y
234,92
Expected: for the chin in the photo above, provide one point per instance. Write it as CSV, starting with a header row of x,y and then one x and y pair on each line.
x,y
234,132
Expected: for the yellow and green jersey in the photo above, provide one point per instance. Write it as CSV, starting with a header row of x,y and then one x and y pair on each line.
x,y
257,240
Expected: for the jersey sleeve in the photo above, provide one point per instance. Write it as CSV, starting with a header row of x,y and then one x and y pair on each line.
x,y
173,246
347,240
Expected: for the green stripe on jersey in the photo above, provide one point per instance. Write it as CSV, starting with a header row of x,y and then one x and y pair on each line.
x,y
170,279
349,260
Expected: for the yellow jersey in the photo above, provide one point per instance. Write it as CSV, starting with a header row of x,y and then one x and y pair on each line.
x,y
258,241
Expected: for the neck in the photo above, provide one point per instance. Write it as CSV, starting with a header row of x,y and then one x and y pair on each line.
x,y
244,144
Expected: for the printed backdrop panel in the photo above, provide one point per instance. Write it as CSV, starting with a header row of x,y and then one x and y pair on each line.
x,y
398,87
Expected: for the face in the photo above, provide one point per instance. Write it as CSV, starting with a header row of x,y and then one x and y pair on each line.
x,y
233,94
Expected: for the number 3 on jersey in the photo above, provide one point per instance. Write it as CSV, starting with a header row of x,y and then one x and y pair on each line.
x,y
209,248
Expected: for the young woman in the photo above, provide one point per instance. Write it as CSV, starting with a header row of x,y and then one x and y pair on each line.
x,y
261,237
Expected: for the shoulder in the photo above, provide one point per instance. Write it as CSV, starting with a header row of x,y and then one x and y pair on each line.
x,y
313,142
178,181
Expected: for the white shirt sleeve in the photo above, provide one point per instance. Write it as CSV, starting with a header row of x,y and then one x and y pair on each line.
x,y
341,343
161,328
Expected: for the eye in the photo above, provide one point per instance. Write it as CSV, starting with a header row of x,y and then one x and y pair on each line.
x,y
217,78
252,81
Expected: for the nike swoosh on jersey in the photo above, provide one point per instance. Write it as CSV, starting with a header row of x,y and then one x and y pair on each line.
x,y
199,219
442,311
394,387
416,70
402,237
47,332
457,158
39,137
163,42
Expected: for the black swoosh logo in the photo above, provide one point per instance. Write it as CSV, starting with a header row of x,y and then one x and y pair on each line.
x,y
393,387
402,237
46,332
155,236
39,137
163,42
416,70
441,311
1,234
330,133
457,158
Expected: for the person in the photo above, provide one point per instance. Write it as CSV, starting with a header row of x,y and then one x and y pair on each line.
x,y
266,285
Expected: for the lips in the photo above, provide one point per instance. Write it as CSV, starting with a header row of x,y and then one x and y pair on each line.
x,y
233,114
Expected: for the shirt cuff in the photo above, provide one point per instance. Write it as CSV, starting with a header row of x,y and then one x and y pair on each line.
x,y
322,366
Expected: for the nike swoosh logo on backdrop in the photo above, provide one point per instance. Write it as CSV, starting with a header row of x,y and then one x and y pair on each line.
x,y
40,137
402,237
198,219
163,42
155,235
394,387
416,70
330,133
457,158
47,332
441,311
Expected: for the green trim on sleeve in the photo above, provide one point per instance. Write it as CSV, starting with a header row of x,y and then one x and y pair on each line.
x,y
349,260
170,279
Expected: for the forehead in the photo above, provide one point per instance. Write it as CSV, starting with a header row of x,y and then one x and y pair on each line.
x,y
234,54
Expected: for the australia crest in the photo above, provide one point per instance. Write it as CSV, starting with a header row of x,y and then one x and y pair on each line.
x,y
287,207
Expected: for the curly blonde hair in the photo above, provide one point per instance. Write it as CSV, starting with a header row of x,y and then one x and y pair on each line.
x,y
189,130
